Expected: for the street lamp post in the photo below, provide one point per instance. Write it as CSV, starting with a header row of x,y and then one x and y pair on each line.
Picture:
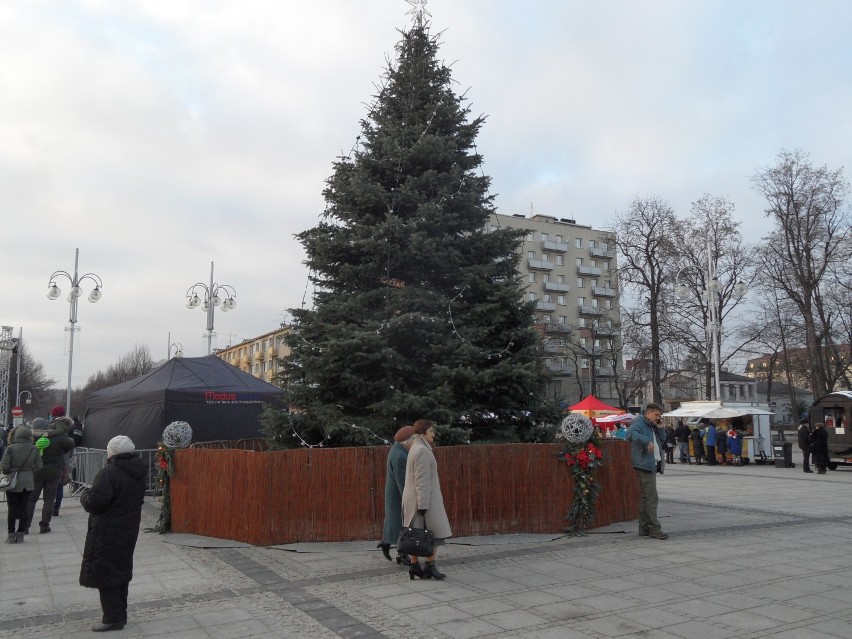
x,y
212,298
74,294
29,397
714,326
178,349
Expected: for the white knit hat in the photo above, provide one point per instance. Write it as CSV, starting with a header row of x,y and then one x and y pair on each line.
x,y
120,444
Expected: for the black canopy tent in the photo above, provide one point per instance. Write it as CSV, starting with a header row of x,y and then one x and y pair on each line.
x,y
218,401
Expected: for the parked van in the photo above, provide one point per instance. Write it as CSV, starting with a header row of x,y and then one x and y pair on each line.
x,y
835,411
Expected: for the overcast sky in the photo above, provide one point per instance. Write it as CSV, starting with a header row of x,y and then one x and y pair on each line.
x,y
158,136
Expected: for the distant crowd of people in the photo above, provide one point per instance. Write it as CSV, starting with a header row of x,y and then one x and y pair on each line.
x,y
711,445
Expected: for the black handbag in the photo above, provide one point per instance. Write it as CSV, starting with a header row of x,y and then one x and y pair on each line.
x,y
416,541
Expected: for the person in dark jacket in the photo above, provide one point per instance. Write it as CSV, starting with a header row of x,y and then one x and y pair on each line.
x,y
22,456
722,445
646,444
682,437
804,437
671,443
114,504
697,445
57,443
819,447
394,485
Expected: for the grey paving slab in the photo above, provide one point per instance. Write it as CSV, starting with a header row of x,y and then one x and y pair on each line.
x,y
758,560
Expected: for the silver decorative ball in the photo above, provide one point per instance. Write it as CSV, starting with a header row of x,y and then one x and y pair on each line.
x,y
177,435
576,428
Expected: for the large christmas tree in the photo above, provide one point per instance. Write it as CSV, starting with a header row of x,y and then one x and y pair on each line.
x,y
418,310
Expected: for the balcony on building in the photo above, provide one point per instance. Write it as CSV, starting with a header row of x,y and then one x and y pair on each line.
x,y
556,327
600,252
590,310
602,330
559,247
604,371
540,265
559,287
559,370
602,291
545,306
552,347
257,356
589,270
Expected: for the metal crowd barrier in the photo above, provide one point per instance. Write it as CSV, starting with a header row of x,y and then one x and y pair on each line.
x,y
86,463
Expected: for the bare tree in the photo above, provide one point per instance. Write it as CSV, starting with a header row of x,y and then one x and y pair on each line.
x,y
645,238
131,365
807,205
33,380
710,228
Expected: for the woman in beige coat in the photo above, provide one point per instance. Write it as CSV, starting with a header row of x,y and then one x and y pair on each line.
x,y
422,500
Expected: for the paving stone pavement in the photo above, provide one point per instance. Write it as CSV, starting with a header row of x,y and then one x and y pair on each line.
x,y
755,551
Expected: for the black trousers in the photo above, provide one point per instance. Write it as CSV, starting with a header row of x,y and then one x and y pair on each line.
x,y
114,604
48,487
806,461
17,503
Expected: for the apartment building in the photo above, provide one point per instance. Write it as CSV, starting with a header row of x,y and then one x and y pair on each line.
x,y
259,356
569,272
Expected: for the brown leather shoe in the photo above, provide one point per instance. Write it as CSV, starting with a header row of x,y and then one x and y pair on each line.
x,y
658,535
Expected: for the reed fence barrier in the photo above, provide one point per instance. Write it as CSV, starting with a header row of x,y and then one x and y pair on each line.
x,y
320,494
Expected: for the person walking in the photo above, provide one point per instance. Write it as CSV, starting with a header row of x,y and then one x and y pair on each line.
x,y
646,442
422,499
804,437
819,447
22,456
54,442
114,504
710,440
394,485
682,437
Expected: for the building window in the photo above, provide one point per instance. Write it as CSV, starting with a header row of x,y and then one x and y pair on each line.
x,y
548,297
558,238
594,302
607,303
544,237
592,244
563,319
532,297
532,277
560,260
530,237
561,300
584,341
545,277
579,261
581,301
581,283
560,279
545,257
578,242
584,363
604,246
546,319
592,263
593,283
582,321
531,255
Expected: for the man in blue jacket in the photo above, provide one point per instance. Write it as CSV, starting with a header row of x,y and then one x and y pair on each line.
x,y
646,444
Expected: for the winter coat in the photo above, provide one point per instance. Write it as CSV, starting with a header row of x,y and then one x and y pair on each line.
x,y
394,484
21,454
697,443
114,504
641,433
804,436
423,490
819,447
53,457
735,444
682,433
710,434
671,441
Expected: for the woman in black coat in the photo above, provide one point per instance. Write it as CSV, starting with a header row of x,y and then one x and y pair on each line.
x,y
819,448
114,504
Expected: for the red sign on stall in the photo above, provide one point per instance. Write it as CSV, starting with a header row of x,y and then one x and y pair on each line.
x,y
17,411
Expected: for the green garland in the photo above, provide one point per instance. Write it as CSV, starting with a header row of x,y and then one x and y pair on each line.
x,y
165,460
583,459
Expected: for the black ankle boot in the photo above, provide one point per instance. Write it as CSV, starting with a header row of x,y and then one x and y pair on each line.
x,y
416,570
385,550
403,560
431,571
